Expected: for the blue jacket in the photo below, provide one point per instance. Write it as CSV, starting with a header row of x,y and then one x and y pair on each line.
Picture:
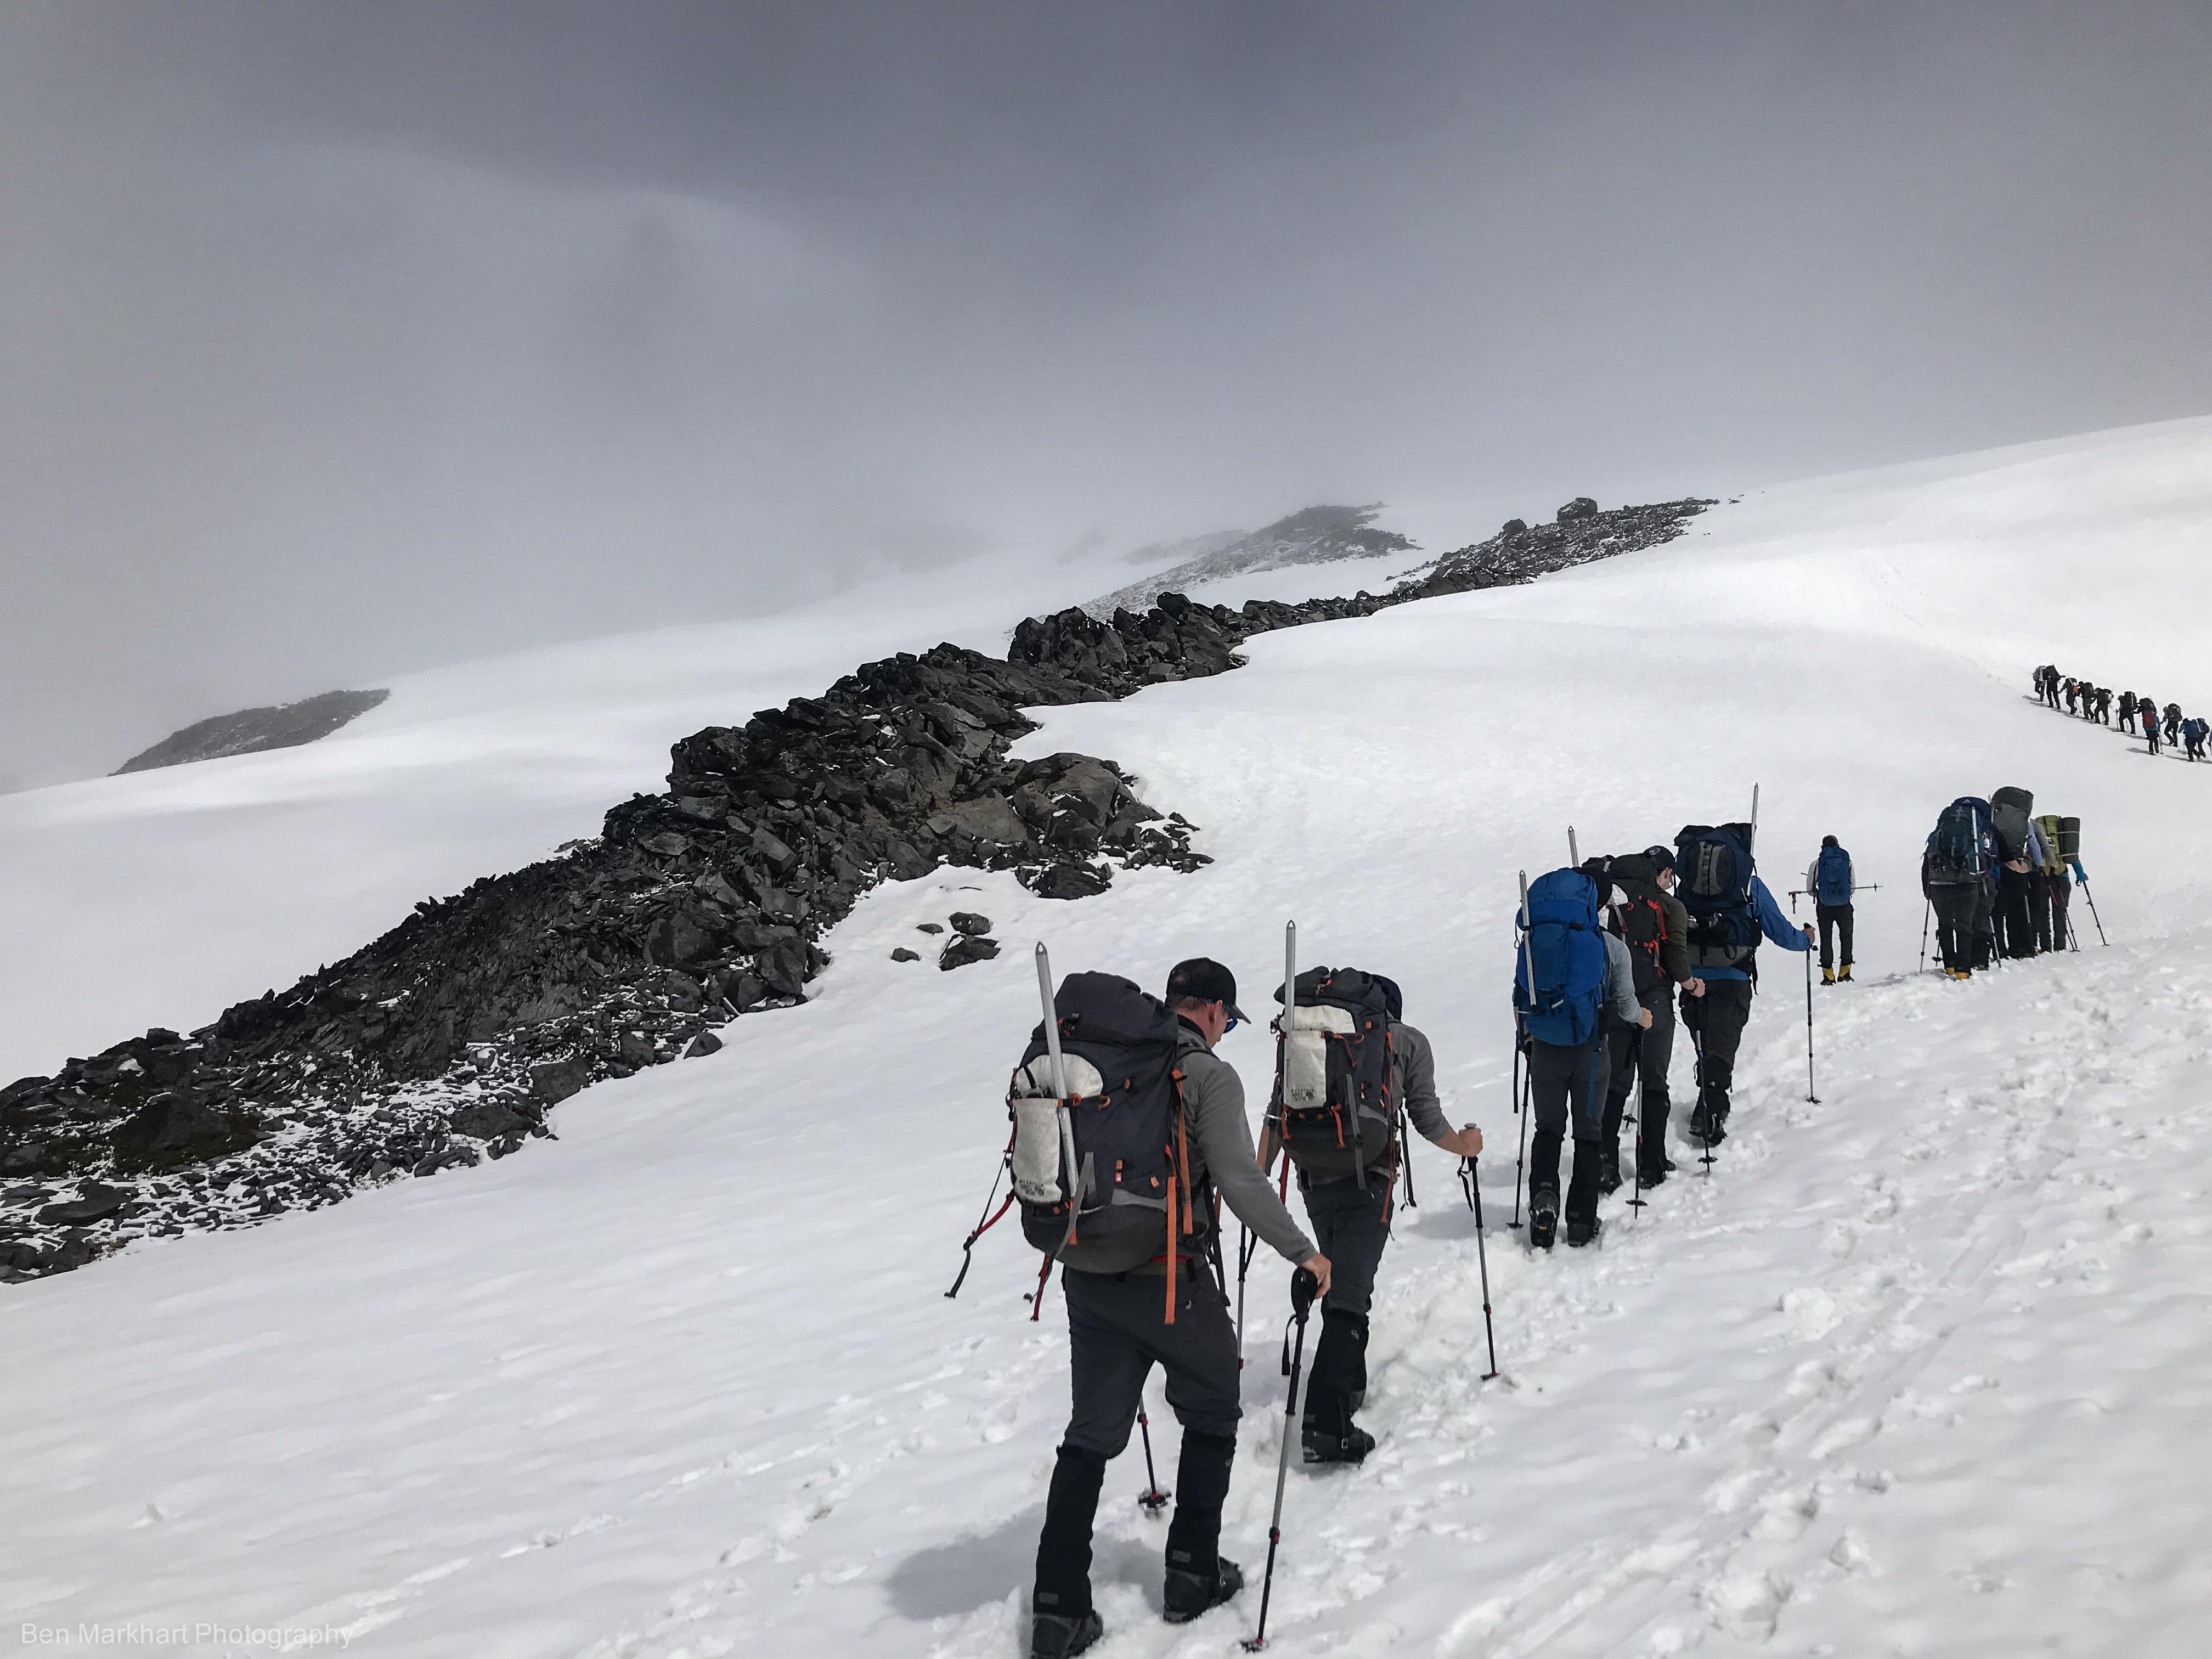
x,y
1778,927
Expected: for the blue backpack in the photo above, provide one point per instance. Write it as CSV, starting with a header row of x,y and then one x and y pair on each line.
x,y
1558,971
1712,877
1832,883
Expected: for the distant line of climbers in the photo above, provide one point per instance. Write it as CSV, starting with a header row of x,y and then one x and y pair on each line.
x,y
2137,714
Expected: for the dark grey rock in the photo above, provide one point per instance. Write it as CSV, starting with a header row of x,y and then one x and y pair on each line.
x,y
93,1202
900,953
967,922
965,949
489,1120
252,731
555,1080
170,1130
705,1043
929,927
1581,507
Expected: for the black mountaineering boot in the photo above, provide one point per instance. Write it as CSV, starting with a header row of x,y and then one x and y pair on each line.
x,y
1052,1637
1186,1595
1543,1218
1582,1231
1608,1168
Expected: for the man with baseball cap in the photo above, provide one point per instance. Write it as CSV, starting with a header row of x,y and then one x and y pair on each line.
x,y
1118,1330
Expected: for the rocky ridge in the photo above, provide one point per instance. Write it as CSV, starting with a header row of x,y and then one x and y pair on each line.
x,y
1318,535
450,1038
250,731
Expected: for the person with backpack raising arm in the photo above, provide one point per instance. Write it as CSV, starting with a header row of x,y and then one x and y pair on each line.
x,y
1730,910
1568,973
1651,921
1348,1055
1828,879
1156,1107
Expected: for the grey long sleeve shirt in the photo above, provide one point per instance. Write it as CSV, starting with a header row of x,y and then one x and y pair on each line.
x,y
1619,992
1222,1149
1417,1084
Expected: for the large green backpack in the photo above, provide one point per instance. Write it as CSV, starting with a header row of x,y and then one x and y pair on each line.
x,y
2047,827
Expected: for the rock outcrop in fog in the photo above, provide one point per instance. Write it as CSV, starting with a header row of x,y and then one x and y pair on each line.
x,y
250,731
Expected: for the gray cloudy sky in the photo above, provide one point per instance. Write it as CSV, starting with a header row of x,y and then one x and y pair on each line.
x,y
340,340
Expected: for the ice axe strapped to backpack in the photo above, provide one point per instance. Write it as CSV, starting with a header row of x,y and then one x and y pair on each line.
x,y
1332,1109
1100,1154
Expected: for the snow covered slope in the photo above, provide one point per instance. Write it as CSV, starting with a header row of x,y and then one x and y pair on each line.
x,y
1923,1369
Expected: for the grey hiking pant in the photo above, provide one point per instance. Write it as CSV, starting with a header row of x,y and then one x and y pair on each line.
x,y
1565,1082
1117,1332
1634,1055
1350,1227
1717,1020
1833,919
1954,905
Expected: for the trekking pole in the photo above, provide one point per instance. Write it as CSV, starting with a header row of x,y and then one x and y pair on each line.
x,y
1927,911
1703,1113
1470,1177
1246,1239
985,1221
1810,1093
1574,852
1304,1288
1405,1151
2093,916
1520,1158
1152,1500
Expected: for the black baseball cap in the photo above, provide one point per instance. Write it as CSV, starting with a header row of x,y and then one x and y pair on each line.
x,y
1208,982
1662,857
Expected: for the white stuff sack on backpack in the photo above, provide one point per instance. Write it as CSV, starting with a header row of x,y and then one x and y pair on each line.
x,y
1037,1123
1305,1054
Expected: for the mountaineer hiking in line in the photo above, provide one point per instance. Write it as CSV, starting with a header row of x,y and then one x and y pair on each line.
x,y
1386,1068
1654,926
1828,878
1140,1264
1955,878
1568,973
1730,911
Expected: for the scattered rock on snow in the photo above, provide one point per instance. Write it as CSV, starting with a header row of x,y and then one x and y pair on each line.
x,y
967,922
965,949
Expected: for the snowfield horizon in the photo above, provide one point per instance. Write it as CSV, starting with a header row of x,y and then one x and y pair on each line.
x,y
1921,1368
